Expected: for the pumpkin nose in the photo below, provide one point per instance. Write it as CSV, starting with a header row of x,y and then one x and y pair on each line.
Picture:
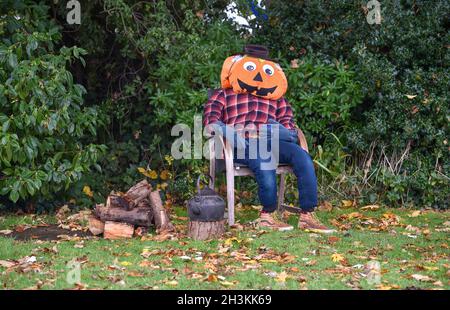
x,y
258,77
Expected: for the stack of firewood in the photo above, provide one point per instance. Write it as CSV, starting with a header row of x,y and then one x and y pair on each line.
x,y
130,213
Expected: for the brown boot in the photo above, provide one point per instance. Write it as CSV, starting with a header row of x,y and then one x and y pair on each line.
x,y
309,222
267,220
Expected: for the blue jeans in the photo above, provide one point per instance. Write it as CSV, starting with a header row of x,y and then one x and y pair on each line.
x,y
302,164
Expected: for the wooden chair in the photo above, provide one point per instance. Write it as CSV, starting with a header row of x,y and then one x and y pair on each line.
x,y
225,162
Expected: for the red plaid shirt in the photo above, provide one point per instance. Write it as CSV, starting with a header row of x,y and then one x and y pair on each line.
x,y
246,109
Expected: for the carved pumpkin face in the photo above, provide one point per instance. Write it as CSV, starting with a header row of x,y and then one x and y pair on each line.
x,y
259,77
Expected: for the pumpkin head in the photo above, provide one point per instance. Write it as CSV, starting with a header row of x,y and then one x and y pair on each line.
x,y
257,76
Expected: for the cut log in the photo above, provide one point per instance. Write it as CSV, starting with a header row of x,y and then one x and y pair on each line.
x,y
141,216
138,193
206,230
96,227
116,230
118,200
160,216
132,198
141,231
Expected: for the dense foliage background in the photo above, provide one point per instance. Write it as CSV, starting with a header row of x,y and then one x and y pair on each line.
x,y
88,108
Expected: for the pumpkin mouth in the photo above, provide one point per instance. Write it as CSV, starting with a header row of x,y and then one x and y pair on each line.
x,y
259,91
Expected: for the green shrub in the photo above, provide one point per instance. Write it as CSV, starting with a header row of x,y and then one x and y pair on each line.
x,y
322,95
44,129
402,68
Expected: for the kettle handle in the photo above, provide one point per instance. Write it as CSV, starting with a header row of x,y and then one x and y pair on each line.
x,y
198,182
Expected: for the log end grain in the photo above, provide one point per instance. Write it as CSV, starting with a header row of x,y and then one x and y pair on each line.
x,y
96,227
117,230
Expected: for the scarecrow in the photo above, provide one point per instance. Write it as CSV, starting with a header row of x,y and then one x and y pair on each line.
x,y
251,96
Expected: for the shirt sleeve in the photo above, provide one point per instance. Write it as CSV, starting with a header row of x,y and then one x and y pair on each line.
x,y
213,108
284,114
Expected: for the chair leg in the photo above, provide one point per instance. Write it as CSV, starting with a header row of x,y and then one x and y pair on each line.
x,y
230,195
281,193
212,173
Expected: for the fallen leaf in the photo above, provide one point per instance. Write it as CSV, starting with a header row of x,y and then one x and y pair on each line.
x,y
422,278
415,213
347,204
354,215
336,257
135,274
226,283
413,229
370,208
384,287
172,283
411,96
212,278
230,241
333,239
7,263
325,206
281,277
430,268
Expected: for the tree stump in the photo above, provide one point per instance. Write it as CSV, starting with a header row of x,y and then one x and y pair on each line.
x,y
116,230
206,230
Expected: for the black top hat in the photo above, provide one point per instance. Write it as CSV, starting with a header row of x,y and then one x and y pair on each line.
x,y
258,51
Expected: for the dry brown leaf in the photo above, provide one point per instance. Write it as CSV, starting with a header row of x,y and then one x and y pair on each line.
x,y
281,277
347,204
415,213
422,278
8,263
333,239
370,208
413,229
212,278
325,206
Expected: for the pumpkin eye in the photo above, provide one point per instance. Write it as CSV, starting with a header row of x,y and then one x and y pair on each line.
x,y
249,66
268,69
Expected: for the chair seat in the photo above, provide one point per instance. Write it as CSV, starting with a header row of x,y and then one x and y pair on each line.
x,y
244,170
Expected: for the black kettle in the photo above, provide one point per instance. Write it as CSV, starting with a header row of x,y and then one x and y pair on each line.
x,y
206,206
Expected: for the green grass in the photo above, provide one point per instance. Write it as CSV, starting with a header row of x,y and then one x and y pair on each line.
x,y
309,263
